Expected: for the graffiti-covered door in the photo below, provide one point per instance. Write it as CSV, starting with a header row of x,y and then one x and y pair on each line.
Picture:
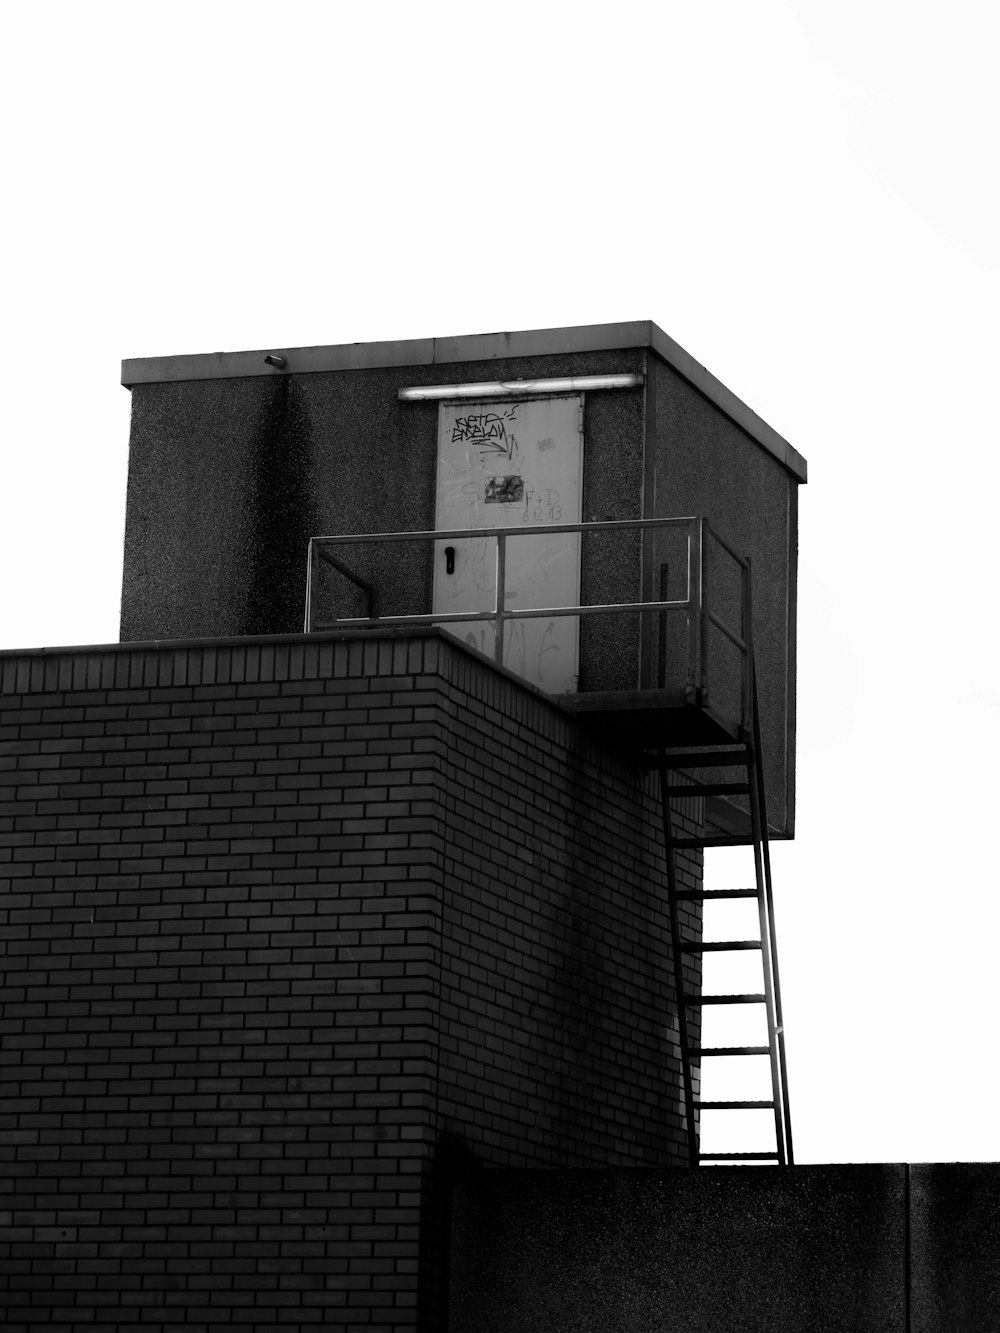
x,y
504,464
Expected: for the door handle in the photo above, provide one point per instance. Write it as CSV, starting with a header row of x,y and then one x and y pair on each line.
x,y
449,559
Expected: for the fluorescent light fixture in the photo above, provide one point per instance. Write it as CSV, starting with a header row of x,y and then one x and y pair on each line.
x,y
505,388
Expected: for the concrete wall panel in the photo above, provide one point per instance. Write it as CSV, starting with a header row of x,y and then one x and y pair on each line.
x,y
228,479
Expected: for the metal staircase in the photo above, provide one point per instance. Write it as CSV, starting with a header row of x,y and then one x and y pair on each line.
x,y
676,769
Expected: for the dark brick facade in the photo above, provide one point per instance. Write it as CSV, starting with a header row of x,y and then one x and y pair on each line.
x,y
296,930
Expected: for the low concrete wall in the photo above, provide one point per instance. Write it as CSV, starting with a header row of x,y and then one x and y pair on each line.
x,y
846,1248
955,1247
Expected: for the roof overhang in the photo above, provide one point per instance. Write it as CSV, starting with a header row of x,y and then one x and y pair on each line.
x,y
472,347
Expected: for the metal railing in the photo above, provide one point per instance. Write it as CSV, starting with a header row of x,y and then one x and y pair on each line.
x,y
695,604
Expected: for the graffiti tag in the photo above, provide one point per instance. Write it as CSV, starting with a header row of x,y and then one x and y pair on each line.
x,y
488,430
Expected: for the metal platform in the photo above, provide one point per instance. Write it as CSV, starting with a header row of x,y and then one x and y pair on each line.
x,y
649,720
648,723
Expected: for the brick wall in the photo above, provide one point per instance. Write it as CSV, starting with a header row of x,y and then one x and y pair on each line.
x,y
556,1026
294,930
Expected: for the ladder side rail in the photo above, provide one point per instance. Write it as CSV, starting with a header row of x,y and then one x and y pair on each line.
x,y
772,942
758,826
675,935
765,937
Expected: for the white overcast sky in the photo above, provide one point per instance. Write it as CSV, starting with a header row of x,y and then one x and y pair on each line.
x,y
803,195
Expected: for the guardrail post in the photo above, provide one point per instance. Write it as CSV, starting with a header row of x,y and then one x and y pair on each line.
x,y
499,605
661,666
695,595
704,684
310,589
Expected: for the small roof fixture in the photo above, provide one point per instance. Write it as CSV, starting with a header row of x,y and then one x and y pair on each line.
x,y
505,388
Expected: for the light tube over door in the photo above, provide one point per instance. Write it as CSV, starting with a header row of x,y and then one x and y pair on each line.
x,y
506,388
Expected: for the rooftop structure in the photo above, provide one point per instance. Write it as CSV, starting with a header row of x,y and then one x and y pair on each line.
x,y
369,866
239,461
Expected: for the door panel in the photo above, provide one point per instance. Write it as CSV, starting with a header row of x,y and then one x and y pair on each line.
x,y
501,464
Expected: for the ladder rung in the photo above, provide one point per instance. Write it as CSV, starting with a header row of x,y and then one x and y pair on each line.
x,y
707,895
704,758
725,999
687,790
720,946
735,1106
739,1157
729,1050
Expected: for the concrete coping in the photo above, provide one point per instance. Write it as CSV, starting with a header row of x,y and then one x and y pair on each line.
x,y
472,347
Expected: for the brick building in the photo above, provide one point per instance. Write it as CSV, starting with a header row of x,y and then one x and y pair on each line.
x,y
304,930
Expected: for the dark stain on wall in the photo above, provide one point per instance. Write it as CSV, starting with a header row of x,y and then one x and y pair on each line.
x,y
277,559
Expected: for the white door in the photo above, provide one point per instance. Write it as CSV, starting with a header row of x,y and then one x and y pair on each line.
x,y
503,464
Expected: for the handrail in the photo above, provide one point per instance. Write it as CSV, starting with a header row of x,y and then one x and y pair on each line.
x,y
349,574
695,602
524,530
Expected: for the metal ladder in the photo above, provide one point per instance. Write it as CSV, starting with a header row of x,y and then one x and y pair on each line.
x,y
745,755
